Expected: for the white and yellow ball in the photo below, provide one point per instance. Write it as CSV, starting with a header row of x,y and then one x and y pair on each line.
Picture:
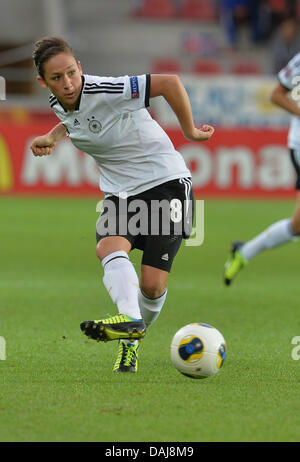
x,y
198,350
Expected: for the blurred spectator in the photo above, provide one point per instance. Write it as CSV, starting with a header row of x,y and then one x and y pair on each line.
x,y
236,13
260,17
285,44
280,9
200,44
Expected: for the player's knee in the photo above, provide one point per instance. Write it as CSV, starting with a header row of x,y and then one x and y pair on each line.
x,y
102,250
295,225
153,290
99,251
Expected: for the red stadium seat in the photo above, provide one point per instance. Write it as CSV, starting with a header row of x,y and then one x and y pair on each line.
x,y
246,68
277,6
163,9
166,65
206,66
199,9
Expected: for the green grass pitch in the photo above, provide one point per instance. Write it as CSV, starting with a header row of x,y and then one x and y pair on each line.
x,y
56,385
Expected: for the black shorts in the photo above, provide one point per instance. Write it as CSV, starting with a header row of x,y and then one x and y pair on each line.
x,y
154,221
295,158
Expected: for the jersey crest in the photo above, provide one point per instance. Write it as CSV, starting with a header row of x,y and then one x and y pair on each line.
x,y
94,125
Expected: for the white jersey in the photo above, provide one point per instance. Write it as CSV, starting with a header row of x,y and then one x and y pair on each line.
x,y
286,77
112,124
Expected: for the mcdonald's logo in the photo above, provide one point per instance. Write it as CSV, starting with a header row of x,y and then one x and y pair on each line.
x,y
6,172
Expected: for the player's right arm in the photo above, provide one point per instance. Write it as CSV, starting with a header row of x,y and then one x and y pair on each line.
x,y
44,145
279,96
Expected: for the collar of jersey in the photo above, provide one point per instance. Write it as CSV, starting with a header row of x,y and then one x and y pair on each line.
x,y
79,98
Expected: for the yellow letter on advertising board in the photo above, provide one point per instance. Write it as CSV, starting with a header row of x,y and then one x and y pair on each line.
x,y
6,173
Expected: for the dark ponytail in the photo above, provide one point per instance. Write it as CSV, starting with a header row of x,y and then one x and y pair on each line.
x,y
46,48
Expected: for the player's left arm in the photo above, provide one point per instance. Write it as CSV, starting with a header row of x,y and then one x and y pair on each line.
x,y
279,96
172,89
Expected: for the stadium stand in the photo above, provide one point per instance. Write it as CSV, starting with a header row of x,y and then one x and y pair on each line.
x,y
207,66
246,68
157,9
200,10
165,65
137,36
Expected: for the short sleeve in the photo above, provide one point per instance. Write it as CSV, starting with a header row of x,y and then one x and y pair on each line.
x,y
128,93
67,131
291,70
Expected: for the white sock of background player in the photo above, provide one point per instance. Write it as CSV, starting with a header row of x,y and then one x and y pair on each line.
x,y
277,234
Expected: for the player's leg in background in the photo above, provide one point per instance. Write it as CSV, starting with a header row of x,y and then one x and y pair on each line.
x,y
152,293
277,234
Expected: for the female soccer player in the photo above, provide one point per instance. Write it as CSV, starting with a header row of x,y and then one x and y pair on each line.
x,y
288,229
107,118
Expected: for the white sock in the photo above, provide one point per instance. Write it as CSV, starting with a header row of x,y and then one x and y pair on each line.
x,y
129,342
150,307
121,281
277,234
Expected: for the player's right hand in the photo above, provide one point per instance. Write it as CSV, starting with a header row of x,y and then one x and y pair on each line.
x,y
42,146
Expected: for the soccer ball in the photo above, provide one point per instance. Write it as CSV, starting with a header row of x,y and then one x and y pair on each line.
x,y
198,350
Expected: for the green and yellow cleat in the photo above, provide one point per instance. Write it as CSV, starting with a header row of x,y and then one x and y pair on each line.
x,y
127,359
114,328
235,263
